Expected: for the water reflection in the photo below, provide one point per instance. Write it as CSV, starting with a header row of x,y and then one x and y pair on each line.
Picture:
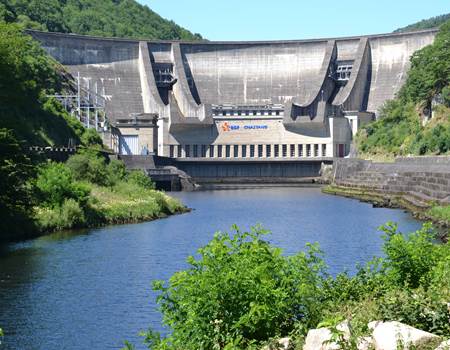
x,y
91,289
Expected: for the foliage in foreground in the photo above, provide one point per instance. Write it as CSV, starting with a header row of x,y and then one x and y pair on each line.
x,y
398,130
240,291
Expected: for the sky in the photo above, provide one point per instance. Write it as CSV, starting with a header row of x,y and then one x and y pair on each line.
x,y
294,19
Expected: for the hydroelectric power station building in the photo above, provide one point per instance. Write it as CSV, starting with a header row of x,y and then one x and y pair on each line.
x,y
244,101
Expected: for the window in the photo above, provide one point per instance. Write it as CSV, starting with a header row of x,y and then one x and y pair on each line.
x,y
211,151
316,150
324,150
235,151
292,150
227,151
276,151
224,113
300,150
187,149
179,151
284,150
277,113
244,151
171,151
219,151
252,151
268,151
203,151
260,151
195,151
308,150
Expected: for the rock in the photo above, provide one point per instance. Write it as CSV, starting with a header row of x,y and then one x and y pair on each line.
x,y
365,343
389,335
282,344
444,345
319,339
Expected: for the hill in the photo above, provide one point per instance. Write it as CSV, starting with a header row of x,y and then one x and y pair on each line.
x,y
400,129
111,18
429,23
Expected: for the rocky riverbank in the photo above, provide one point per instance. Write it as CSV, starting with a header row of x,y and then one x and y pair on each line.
x,y
418,184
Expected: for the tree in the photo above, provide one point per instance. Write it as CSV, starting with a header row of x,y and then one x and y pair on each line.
x,y
15,196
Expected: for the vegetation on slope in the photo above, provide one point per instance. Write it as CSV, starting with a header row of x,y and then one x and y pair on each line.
x,y
36,196
429,23
399,130
88,190
240,292
113,18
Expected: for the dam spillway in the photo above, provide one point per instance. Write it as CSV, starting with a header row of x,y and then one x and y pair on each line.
x,y
240,100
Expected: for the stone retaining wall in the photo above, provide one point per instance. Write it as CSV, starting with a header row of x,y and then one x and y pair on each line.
x,y
424,178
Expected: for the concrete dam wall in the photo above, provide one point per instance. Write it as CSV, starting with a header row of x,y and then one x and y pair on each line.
x,y
302,94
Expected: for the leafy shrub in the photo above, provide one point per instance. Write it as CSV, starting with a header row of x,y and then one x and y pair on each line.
x,y
69,215
89,166
141,179
115,172
90,137
410,259
241,290
55,184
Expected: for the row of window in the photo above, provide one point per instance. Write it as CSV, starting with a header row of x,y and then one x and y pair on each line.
x,y
247,151
244,112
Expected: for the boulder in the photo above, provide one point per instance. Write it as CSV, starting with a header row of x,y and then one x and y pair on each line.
x,y
319,339
391,335
444,345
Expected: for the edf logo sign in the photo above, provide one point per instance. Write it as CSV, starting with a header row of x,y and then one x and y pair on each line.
x,y
227,127
231,127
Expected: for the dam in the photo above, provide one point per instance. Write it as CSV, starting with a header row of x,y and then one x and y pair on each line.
x,y
246,102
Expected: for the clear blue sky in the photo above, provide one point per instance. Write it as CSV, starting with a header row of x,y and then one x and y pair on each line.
x,y
294,19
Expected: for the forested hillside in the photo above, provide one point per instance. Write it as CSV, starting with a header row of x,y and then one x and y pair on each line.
x,y
432,22
113,18
399,130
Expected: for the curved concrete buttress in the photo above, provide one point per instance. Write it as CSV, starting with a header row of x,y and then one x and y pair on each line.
x,y
353,96
193,112
315,108
151,98
390,63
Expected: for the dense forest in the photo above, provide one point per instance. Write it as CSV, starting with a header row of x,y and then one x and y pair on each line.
x,y
111,18
432,22
400,129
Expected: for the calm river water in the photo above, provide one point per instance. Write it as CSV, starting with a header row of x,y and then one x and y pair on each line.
x,y
92,289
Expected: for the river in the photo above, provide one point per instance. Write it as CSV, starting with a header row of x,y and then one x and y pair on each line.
x,y
92,289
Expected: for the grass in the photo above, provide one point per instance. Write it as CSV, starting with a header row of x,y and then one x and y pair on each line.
x,y
440,213
127,202
121,203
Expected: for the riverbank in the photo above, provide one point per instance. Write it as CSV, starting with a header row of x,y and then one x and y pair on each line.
x,y
420,185
438,215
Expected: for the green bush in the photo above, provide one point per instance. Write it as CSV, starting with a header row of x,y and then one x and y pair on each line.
x,y
90,137
140,178
240,291
89,166
55,184
116,172
16,170
69,215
